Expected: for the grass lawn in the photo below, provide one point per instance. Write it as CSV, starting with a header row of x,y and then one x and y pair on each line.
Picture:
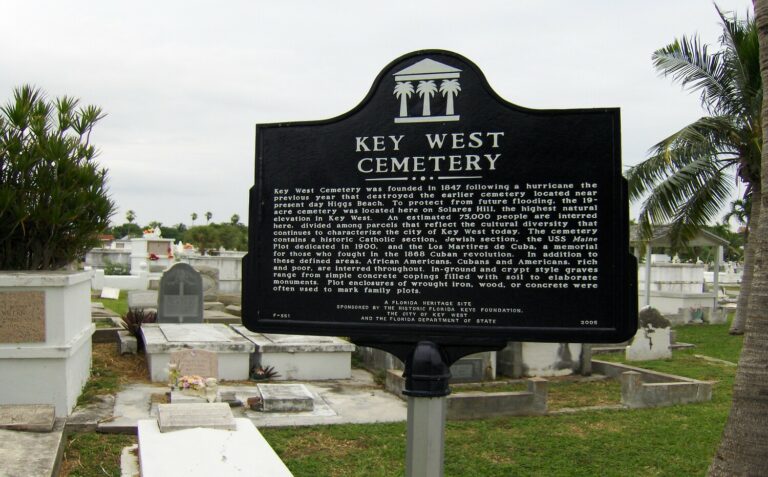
x,y
119,306
672,441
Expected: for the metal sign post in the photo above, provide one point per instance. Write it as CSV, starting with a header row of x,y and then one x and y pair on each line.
x,y
426,385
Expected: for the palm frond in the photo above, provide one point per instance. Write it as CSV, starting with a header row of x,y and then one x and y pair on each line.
x,y
689,62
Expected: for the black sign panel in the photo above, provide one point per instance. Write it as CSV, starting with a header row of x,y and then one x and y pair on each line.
x,y
437,210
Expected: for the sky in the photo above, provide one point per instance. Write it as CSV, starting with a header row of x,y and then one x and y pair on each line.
x,y
184,83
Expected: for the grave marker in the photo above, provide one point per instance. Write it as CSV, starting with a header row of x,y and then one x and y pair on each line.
x,y
197,362
180,295
175,417
22,317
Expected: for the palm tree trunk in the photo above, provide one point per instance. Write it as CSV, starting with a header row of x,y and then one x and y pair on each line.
x,y
744,448
425,110
403,106
737,327
449,105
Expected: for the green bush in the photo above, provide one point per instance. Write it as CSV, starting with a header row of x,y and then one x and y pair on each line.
x,y
53,195
111,268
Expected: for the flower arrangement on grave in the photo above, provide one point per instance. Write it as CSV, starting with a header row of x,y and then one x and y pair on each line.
x,y
191,384
153,257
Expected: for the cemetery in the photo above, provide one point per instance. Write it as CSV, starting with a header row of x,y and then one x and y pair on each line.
x,y
432,311
321,385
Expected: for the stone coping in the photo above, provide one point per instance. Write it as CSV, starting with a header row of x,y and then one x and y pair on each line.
x,y
55,278
671,294
280,343
222,339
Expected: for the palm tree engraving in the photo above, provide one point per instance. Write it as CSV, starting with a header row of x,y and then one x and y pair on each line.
x,y
450,88
403,91
426,89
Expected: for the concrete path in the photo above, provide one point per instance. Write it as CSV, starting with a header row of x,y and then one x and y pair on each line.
x,y
357,400
31,454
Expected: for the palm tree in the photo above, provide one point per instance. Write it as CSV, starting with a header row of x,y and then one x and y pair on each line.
x,y
426,89
403,91
739,211
235,219
450,88
689,175
744,447
208,216
194,217
130,216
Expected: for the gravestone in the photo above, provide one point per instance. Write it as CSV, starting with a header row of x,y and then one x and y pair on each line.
x,y
180,296
22,317
210,277
175,417
196,362
652,340
27,417
142,299
110,293
285,398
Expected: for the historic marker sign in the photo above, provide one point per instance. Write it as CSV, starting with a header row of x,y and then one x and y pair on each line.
x,y
437,209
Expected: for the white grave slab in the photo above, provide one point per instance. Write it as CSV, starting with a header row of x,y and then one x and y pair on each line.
x,y
185,333
650,343
207,452
298,357
233,351
176,417
286,398
110,293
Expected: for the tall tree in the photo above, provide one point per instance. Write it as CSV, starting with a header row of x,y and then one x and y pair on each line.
x,y
194,217
689,175
235,219
208,216
744,447
130,216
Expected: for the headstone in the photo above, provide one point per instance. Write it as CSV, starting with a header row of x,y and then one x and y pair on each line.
x,y
210,277
180,296
110,293
468,370
22,317
653,337
174,417
142,299
27,417
196,362
285,398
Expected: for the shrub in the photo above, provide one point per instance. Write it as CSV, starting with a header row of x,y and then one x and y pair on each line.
x,y
111,268
53,195
133,321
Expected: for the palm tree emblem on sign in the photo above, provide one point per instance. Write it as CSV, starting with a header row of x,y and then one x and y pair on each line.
x,y
403,91
449,88
426,89
426,72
